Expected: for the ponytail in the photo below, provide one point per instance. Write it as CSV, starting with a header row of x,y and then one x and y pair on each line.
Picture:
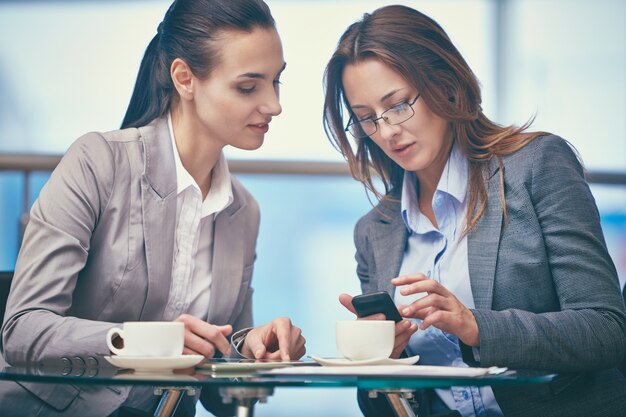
x,y
151,95
188,31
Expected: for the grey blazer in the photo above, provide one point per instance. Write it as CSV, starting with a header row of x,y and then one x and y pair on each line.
x,y
98,251
545,289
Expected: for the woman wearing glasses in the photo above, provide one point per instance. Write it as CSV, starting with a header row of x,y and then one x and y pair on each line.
x,y
146,223
487,237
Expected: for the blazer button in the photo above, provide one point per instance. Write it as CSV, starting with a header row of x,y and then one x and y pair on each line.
x,y
79,362
66,365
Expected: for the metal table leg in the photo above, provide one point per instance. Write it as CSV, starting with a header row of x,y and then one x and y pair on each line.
x,y
400,405
170,399
245,398
398,400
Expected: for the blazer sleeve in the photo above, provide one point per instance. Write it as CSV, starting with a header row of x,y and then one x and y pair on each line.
x,y
588,332
363,256
54,250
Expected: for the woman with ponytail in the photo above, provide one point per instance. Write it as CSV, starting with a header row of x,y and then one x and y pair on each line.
x,y
486,236
147,224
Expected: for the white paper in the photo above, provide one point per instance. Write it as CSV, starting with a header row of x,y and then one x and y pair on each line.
x,y
393,370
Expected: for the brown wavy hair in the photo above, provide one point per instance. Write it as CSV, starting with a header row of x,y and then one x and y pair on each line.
x,y
416,47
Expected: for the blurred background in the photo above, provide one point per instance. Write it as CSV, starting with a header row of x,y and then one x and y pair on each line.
x,y
68,67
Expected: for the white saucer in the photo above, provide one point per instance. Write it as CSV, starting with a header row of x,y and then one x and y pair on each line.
x,y
154,363
376,361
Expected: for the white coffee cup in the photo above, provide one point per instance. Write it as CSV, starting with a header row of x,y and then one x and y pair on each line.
x,y
148,338
365,339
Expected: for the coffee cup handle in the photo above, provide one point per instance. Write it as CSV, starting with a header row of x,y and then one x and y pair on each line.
x,y
111,335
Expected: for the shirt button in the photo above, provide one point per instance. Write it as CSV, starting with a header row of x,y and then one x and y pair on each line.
x,y
179,304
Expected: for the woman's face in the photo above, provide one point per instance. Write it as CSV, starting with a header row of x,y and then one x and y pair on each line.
x,y
236,102
420,144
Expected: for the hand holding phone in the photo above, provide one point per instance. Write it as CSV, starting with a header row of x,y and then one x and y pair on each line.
x,y
376,302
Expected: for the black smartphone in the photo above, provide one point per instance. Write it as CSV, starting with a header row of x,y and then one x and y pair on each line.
x,y
376,302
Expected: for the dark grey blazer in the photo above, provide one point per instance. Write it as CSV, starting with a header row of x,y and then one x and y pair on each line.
x,y
545,289
98,251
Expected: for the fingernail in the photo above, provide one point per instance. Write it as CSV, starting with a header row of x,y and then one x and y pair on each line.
x,y
406,311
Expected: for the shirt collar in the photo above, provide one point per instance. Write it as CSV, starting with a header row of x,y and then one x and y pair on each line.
x,y
453,182
220,195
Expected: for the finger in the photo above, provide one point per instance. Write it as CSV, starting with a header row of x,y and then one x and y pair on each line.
x,y
427,286
436,318
254,344
432,300
409,279
196,345
188,351
213,334
377,316
259,351
422,313
402,340
406,332
296,344
402,326
300,348
273,356
346,301
225,330
282,329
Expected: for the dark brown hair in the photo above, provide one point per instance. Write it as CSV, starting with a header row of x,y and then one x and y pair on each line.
x,y
416,47
188,32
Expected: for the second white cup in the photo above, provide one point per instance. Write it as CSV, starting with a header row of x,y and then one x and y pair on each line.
x,y
148,338
365,339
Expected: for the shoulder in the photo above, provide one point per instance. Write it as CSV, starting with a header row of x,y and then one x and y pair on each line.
x,y
545,155
90,153
387,209
542,148
97,143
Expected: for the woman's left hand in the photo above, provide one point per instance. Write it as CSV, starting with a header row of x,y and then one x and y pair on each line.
x,y
278,339
439,308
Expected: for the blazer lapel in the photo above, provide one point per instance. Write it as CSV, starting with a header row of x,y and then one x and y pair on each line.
x,y
388,240
483,242
158,193
227,268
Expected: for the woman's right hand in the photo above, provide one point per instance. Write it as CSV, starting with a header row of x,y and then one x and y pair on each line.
x,y
404,328
202,338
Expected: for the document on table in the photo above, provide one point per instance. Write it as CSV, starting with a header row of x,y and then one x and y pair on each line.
x,y
391,370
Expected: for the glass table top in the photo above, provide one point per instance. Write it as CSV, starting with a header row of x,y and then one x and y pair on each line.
x,y
259,375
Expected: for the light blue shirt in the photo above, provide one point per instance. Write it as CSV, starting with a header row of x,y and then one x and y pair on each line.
x,y
442,254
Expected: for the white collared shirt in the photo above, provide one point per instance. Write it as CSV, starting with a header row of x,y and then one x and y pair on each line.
x,y
190,289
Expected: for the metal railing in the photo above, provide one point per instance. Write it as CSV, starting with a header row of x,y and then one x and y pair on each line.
x,y
28,163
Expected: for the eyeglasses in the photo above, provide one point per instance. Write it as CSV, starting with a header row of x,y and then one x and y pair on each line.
x,y
395,115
